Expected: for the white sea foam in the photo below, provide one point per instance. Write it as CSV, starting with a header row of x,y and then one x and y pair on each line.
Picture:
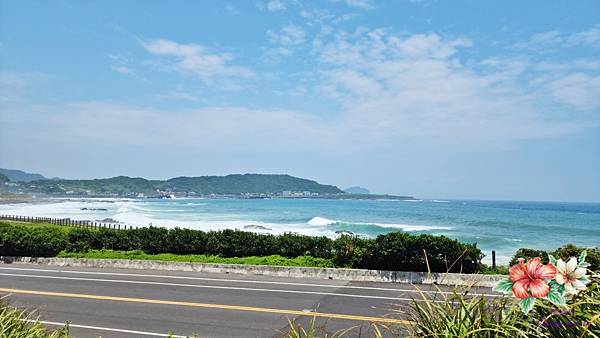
x,y
144,213
440,201
322,221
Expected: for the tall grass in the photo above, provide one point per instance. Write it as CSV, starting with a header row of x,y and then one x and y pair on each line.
x,y
16,323
320,331
460,315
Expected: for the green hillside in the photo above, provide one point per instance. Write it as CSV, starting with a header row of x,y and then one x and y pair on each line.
x,y
204,185
248,183
20,176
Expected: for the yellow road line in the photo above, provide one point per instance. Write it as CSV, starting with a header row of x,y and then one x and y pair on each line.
x,y
209,306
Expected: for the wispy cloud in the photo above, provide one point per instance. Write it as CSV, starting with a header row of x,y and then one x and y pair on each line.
x,y
392,86
232,10
275,5
364,4
554,39
588,38
289,35
194,59
284,41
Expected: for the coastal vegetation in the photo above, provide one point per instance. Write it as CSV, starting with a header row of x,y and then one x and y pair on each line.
x,y
20,176
568,250
392,251
16,323
274,260
203,185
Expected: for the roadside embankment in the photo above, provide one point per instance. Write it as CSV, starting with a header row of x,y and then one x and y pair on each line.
x,y
266,270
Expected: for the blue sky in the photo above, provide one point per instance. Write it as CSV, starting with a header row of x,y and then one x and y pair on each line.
x,y
439,99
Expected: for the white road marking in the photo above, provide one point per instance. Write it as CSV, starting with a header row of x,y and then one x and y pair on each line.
x,y
239,281
203,286
213,287
100,328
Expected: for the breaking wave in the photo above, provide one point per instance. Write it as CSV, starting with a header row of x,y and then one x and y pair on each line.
x,y
322,222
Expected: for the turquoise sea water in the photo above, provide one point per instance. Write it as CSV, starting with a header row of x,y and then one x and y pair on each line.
x,y
494,225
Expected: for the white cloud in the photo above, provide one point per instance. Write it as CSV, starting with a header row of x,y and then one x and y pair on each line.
x,y
111,123
286,39
578,90
542,40
121,69
275,5
556,39
210,67
232,10
289,35
393,86
588,38
365,4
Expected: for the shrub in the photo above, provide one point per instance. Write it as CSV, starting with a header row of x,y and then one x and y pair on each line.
x,y
570,250
405,252
350,251
30,241
529,254
393,251
564,252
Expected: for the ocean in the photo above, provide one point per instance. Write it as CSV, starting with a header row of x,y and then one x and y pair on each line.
x,y
503,226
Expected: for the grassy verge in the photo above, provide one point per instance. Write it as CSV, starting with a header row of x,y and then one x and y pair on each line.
x,y
305,261
17,323
36,225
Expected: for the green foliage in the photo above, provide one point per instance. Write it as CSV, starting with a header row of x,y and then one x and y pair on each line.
x,y
529,254
20,176
570,250
230,184
504,286
350,251
393,251
565,252
15,323
251,260
31,241
404,252
462,315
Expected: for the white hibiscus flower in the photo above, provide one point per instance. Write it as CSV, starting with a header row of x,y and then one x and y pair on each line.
x,y
570,275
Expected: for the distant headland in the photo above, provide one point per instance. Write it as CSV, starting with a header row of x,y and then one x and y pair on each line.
x,y
251,186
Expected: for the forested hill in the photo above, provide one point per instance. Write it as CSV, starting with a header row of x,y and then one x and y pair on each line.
x,y
248,183
203,185
20,176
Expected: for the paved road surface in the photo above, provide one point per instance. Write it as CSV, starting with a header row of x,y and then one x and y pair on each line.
x,y
142,303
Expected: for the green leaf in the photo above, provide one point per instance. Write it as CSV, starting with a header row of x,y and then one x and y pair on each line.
x,y
585,279
552,259
556,294
504,286
583,265
582,256
526,304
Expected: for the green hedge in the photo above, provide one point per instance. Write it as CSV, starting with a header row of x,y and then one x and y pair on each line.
x,y
564,252
393,251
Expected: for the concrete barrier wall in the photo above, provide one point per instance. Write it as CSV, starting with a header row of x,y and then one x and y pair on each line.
x,y
273,271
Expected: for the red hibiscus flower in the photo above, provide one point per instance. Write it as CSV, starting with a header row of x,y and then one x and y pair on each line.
x,y
531,277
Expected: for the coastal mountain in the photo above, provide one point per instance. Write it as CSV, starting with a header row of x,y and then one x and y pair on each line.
x,y
194,186
357,190
3,178
248,183
20,176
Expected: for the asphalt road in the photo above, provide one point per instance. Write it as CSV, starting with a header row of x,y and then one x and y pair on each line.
x,y
142,303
